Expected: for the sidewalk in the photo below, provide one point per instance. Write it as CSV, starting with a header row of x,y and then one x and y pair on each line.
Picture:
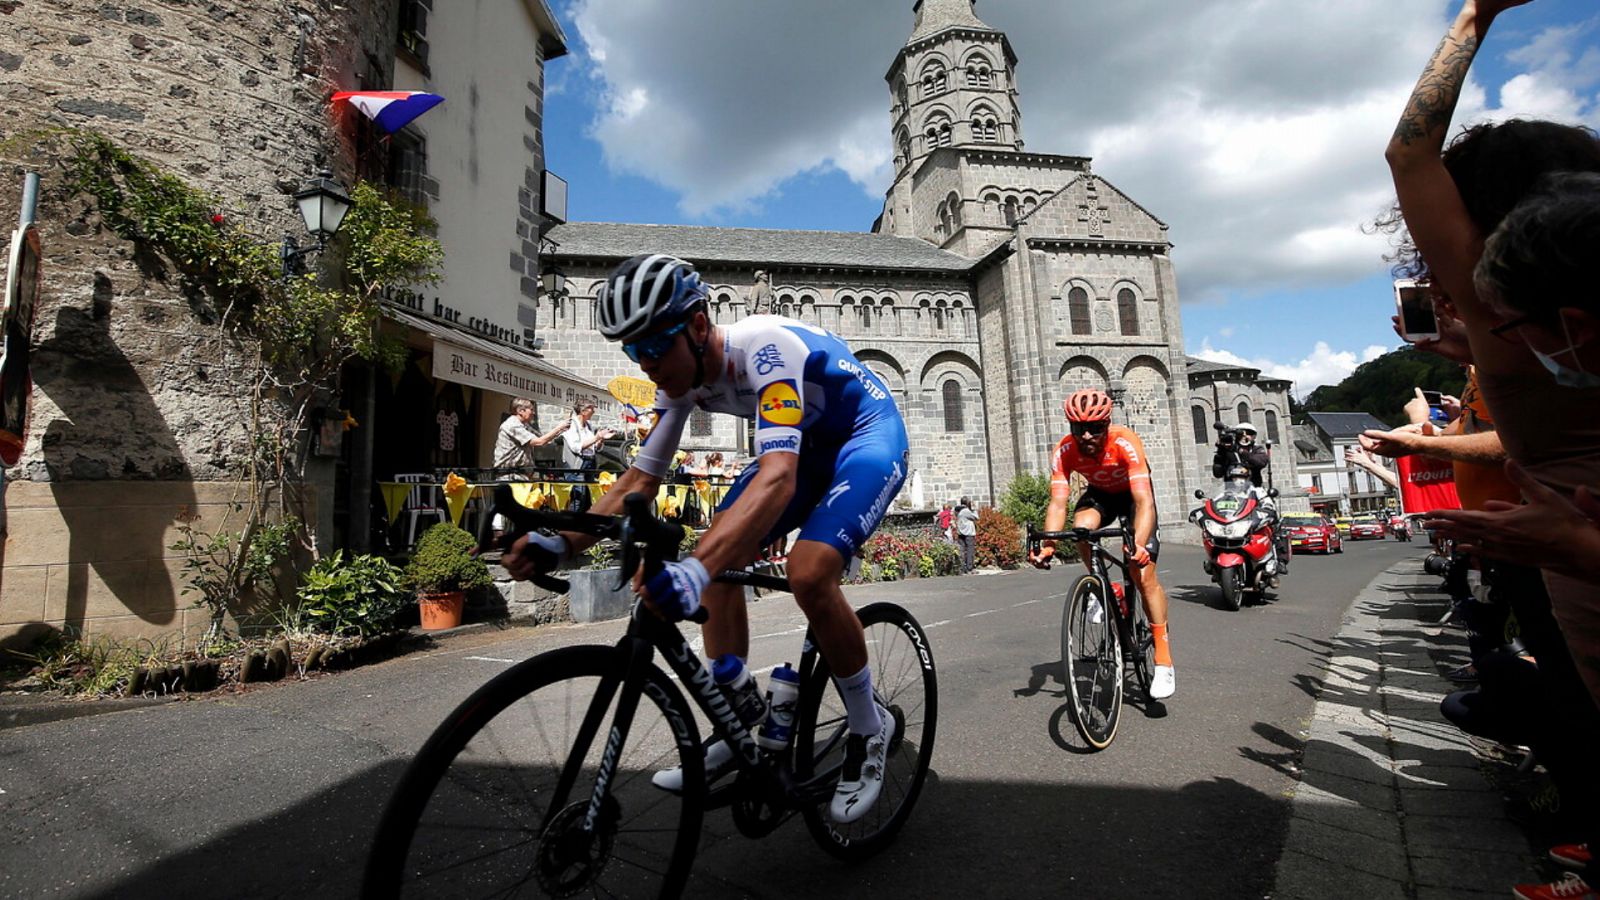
x,y
1392,802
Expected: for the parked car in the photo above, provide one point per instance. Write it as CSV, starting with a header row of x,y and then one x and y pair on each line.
x,y
1310,532
1367,529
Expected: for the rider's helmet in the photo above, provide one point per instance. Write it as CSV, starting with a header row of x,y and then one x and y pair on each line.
x,y
1087,405
1246,430
645,292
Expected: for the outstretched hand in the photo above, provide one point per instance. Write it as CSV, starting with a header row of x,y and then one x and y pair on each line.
x,y
1549,531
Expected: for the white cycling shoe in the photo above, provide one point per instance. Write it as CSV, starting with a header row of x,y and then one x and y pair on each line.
x,y
719,762
1164,683
861,780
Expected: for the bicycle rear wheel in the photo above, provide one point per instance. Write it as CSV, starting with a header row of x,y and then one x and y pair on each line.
x,y
1091,661
479,811
1142,642
904,681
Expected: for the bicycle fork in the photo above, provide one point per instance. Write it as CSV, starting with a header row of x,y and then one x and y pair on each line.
x,y
631,681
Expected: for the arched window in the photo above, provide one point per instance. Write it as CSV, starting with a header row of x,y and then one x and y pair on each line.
x,y
905,146
954,204
1200,429
1011,211
952,405
1272,426
866,313
699,423
938,315
1128,312
940,82
1244,412
1078,310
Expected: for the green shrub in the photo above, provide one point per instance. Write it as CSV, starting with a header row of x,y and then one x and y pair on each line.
x,y
443,561
359,596
1026,498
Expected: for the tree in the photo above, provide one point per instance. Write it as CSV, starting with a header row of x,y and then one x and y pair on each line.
x,y
1025,499
1382,386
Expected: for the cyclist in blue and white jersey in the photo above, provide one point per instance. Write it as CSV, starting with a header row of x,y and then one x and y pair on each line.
x,y
831,454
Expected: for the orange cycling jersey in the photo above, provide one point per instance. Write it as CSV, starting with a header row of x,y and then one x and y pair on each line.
x,y
1121,462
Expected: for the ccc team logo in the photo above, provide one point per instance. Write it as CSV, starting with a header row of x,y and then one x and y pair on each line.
x,y
780,404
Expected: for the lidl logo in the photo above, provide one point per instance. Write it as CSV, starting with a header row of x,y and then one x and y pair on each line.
x,y
780,404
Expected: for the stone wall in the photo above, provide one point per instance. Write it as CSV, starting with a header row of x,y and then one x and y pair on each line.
x,y
136,409
916,332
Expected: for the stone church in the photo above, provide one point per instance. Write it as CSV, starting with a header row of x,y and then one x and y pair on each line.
x,y
996,281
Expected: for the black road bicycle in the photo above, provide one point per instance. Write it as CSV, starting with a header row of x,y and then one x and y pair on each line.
x,y
539,783
1103,624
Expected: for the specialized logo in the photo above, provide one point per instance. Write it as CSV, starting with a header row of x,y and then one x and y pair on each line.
x,y
837,491
767,359
780,404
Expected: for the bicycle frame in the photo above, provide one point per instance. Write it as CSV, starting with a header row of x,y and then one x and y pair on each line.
x,y
1100,562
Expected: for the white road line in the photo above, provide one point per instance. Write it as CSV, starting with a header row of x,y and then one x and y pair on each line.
x,y
936,624
800,630
494,659
1023,603
983,613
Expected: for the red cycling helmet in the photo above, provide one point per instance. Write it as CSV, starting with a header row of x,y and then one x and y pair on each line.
x,y
1087,405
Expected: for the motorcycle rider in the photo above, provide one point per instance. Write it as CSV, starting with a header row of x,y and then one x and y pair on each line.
x,y
1237,447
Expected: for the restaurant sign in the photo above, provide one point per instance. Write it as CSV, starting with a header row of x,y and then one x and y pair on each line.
x,y
480,370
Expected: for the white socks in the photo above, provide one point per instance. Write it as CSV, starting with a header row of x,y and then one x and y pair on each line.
x,y
860,708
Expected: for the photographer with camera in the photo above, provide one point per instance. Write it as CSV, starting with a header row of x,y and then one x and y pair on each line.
x,y
1237,450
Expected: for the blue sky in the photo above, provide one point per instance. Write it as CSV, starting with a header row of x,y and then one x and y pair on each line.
x,y
1260,145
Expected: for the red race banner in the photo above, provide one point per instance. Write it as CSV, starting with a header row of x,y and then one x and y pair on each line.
x,y
1427,483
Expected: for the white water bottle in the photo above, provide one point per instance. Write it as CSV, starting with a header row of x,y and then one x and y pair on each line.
x,y
783,691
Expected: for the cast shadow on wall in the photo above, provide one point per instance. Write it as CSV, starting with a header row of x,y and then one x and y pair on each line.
x,y
109,431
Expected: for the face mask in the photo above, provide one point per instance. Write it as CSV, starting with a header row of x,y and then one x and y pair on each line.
x,y
1566,377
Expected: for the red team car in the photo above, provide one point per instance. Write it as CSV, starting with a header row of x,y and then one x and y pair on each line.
x,y
1310,532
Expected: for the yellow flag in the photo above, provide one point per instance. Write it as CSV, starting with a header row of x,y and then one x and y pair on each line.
x,y
632,391
563,493
394,497
522,492
456,494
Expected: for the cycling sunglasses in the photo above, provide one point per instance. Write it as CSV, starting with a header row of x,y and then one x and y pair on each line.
x,y
655,346
1090,427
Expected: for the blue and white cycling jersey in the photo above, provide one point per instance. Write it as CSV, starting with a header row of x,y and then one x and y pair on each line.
x,y
791,378
806,391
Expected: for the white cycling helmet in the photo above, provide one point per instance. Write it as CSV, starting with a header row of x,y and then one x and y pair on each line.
x,y
1246,428
645,291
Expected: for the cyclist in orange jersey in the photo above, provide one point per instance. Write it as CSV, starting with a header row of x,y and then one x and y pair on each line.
x,y
1112,460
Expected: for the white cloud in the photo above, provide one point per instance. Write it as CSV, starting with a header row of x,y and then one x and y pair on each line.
x,y
1257,134
1323,366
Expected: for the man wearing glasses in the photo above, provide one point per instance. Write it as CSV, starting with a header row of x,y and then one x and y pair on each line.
x,y
811,399
1112,460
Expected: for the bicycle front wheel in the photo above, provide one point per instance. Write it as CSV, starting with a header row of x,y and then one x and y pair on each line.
x,y
904,681
1091,661
480,811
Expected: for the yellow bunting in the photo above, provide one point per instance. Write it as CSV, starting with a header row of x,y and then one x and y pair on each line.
x,y
670,505
456,494
632,391
603,483
522,492
394,497
562,493
702,489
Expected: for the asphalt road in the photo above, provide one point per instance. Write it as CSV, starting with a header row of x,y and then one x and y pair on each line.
x,y
274,791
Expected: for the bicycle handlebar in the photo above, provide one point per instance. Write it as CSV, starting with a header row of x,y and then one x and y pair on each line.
x,y
644,539
1075,534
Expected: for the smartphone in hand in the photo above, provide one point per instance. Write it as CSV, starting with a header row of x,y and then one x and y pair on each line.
x,y
1414,301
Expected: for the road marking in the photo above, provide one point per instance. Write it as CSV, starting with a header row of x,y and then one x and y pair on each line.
x,y
936,624
983,613
494,659
1023,603
799,630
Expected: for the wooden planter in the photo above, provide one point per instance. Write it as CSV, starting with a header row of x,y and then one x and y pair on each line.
x,y
441,610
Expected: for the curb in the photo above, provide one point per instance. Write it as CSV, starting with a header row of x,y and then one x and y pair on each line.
x,y
1392,802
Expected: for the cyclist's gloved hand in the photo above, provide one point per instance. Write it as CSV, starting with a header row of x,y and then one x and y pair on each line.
x,y
535,554
1041,557
1140,556
675,590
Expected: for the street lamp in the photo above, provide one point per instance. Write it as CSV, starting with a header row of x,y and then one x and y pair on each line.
x,y
323,204
553,282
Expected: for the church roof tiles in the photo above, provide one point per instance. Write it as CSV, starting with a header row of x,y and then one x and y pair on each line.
x,y
761,247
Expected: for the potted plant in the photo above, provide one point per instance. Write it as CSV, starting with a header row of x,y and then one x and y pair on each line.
x,y
441,571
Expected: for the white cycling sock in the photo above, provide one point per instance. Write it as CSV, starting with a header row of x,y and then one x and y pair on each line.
x,y
860,709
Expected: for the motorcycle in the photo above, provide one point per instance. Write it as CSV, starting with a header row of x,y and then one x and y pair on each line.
x,y
1402,531
1239,531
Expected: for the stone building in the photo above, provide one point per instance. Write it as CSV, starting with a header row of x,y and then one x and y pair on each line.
x,y
995,281
137,423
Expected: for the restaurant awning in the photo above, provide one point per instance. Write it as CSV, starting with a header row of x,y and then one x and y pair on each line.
x,y
467,359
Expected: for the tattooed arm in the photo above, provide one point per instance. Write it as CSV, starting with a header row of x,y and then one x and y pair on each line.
x,y
1435,215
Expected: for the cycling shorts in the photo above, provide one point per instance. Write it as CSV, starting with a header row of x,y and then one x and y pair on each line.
x,y
841,492
1115,507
